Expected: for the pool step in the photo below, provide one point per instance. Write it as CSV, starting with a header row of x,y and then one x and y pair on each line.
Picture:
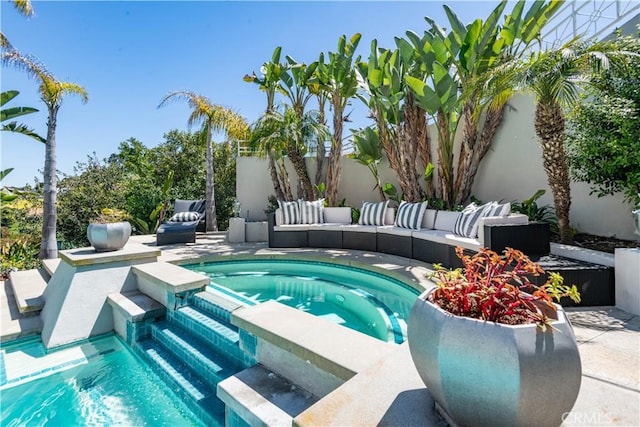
x,y
28,288
183,380
217,303
201,357
214,331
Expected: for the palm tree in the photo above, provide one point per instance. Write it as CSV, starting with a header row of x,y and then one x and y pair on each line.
x,y
555,78
214,118
25,9
267,139
294,85
52,92
269,82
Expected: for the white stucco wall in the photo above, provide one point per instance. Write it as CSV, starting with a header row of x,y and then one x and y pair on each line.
x,y
512,170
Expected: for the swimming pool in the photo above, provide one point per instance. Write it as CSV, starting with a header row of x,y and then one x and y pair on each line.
x,y
99,382
364,300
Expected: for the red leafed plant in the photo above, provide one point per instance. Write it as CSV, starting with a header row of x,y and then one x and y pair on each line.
x,y
497,288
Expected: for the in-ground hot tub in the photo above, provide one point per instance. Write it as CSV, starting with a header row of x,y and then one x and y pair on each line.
x,y
367,301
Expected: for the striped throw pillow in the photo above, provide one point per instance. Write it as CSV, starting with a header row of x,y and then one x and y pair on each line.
x,y
290,212
410,215
373,213
467,223
311,212
497,209
185,217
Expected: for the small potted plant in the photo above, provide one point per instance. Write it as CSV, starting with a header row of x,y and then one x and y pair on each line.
x,y
492,348
110,231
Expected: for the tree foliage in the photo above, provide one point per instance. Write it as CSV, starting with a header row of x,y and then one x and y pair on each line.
x,y
133,178
603,132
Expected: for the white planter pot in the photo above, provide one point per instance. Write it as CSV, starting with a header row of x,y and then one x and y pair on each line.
x,y
636,221
108,237
489,374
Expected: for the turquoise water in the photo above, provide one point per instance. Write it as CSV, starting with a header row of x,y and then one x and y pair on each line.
x,y
366,301
107,385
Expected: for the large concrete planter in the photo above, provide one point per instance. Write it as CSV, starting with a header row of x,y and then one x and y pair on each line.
x,y
489,374
108,237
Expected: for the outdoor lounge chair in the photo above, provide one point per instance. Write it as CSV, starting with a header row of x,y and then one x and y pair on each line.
x,y
174,231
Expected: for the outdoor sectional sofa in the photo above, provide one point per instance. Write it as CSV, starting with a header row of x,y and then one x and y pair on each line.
x,y
434,242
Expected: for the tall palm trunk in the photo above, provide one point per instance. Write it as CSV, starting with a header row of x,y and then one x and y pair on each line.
x,y
549,125
297,159
333,171
212,219
285,183
49,244
474,148
275,180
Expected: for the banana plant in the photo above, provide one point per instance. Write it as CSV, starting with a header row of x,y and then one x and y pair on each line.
x,y
339,80
13,112
367,153
6,195
385,93
439,96
486,45
159,213
459,65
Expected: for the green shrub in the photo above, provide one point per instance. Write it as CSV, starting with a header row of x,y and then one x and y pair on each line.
x,y
530,208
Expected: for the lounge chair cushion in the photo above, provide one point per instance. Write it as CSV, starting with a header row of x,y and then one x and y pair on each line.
x,y
185,217
410,215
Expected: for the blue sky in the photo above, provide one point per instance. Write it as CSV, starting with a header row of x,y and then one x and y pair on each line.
x,y
128,55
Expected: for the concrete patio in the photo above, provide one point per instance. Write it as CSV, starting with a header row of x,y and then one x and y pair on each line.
x,y
609,343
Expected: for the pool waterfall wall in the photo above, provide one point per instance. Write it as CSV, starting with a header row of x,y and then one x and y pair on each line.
x,y
88,287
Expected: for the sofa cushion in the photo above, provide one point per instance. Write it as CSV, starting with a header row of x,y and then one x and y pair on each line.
x,y
311,212
429,219
290,212
389,216
337,215
373,213
467,223
445,220
497,209
327,226
410,215
392,229
360,228
291,227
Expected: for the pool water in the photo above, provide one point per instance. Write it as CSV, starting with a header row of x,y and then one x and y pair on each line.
x,y
363,300
100,382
